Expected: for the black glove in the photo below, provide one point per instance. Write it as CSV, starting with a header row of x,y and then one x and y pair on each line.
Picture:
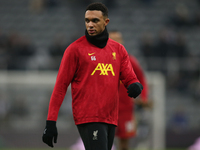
x,y
134,89
50,133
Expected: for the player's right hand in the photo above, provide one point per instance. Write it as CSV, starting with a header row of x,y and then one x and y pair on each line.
x,y
50,133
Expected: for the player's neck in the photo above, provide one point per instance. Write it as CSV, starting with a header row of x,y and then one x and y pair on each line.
x,y
99,40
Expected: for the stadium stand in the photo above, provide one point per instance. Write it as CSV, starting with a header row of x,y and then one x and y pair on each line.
x,y
133,18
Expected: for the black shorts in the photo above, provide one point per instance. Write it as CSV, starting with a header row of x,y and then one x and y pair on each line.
x,y
97,136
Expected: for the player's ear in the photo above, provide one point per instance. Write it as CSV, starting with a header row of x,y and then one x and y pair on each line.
x,y
107,20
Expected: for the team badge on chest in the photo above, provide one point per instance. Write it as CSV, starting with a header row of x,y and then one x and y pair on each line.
x,y
114,55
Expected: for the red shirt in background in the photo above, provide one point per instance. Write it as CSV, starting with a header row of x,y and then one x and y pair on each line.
x,y
125,102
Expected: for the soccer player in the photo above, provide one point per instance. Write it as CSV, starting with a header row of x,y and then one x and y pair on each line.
x,y
126,128
94,65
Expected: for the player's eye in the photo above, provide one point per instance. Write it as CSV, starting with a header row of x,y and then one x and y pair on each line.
x,y
95,20
87,20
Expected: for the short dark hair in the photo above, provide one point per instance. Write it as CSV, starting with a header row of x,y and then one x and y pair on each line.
x,y
98,6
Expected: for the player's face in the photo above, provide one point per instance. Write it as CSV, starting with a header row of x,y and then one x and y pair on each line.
x,y
116,36
95,22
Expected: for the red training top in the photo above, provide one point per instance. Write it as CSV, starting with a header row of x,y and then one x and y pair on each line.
x,y
94,74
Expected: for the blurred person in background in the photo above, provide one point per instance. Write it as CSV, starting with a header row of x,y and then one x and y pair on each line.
x,y
56,50
147,45
179,121
94,65
36,6
4,109
196,19
181,17
20,50
126,128
3,50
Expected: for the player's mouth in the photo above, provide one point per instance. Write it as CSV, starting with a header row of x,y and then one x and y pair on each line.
x,y
91,31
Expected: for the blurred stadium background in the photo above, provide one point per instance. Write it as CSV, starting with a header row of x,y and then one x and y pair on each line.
x,y
163,34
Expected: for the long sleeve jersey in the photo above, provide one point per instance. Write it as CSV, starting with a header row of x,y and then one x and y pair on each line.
x,y
125,102
94,74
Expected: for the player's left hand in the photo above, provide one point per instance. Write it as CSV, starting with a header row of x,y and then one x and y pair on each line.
x,y
50,133
134,89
